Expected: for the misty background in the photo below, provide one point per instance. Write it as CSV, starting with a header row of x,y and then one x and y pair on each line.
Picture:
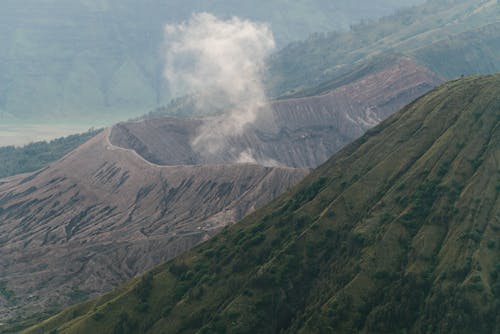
x,y
66,66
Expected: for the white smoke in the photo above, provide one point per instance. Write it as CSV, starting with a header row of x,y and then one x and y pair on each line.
x,y
248,157
223,63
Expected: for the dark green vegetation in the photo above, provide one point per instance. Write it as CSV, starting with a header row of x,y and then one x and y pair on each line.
x,y
78,59
34,156
398,233
451,37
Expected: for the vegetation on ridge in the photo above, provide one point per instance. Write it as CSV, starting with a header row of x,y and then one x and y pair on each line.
x,y
399,232
34,156
451,37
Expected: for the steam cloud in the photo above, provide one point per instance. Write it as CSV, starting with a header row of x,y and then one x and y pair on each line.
x,y
222,62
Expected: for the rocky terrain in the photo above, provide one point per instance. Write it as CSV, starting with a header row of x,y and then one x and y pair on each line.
x,y
137,194
397,233
300,132
103,214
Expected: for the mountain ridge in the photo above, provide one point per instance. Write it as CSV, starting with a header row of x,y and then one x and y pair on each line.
x,y
399,231
100,211
320,123
456,31
140,180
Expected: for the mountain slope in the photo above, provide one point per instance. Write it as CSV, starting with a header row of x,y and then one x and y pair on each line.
x,y
471,52
301,131
452,37
142,184
399,232
102,214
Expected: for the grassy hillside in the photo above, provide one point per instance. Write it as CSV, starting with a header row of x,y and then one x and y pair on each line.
x,y
31,157
398,233
452,37
79,59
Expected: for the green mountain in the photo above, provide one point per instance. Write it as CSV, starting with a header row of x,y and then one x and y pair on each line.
x,y
82,59
451,37
397,233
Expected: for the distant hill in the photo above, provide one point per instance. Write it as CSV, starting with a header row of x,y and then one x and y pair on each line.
x,y
34,156
81,59
452,37
399,232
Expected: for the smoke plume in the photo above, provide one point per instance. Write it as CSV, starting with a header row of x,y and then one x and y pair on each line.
x,y
222,63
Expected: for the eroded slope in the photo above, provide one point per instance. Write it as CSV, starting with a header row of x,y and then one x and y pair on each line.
x,y
103,214
301,132
109,211
399,232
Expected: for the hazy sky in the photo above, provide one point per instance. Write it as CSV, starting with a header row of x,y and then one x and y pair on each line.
x,y
94,62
